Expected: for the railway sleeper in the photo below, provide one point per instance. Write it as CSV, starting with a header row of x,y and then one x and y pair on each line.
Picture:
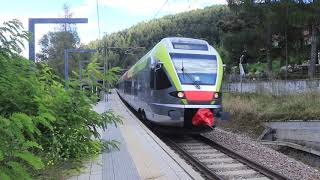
x,y
246,173
226,166
203,151
218,160
199,155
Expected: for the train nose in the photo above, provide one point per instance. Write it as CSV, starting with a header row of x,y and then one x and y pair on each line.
x,y
203,116
199,95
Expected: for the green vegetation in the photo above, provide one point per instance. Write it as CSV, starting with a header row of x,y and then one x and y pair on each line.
x,y
53,44
42,123
194,24
249,111
266,32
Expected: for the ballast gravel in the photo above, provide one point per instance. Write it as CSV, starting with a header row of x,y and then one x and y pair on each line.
x,y
264,155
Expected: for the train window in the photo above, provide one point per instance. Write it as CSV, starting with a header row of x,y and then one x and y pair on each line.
x,y
152,78
127,87
135,87
162,81
190,46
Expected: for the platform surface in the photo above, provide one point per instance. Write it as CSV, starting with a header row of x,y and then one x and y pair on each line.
x,y
142,155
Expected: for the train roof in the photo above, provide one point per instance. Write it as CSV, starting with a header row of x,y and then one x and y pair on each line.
x,y
186,45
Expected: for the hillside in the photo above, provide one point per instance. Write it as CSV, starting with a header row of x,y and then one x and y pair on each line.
x,y
200,24
268,35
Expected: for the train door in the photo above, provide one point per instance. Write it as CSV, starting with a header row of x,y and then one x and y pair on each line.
x,y
151,76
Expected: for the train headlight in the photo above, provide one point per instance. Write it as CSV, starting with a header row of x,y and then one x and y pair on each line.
x,y
180,94
216,95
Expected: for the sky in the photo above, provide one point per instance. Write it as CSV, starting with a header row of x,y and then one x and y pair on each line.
x,y
114,15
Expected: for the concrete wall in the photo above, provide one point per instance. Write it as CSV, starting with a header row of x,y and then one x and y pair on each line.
x,y
275,87
304,133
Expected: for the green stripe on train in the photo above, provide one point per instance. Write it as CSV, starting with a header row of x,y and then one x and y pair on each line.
x,y
141,64
220,74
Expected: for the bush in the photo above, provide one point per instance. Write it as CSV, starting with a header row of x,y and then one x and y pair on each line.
x,y
41,122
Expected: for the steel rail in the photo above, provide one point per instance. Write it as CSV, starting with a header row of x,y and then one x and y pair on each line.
x,y
256,166
192,160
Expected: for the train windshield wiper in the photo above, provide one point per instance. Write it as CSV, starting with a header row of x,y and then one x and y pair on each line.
x,y
195,83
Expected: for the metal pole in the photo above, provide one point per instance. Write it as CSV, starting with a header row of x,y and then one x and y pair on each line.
x,y
241,71
240,83
105,68
66,68
31,29
80,74
33,21
286,36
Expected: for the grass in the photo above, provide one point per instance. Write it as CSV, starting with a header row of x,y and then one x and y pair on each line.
x,y
66,169
62,171
249,111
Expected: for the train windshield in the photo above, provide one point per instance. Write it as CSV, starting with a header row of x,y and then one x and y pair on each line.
x,y
195,68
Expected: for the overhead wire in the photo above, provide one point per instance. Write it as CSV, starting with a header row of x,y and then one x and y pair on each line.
x,y
98,18
165,3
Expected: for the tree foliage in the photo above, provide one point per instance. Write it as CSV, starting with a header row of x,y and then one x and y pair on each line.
x,y
52,51
53,44
194,24
11,38
269,32
41,122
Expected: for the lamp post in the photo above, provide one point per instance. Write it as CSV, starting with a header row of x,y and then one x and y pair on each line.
x,y
241,71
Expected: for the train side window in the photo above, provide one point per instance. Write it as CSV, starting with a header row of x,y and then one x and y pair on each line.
x,y
135,87
127,87
152,78
162,80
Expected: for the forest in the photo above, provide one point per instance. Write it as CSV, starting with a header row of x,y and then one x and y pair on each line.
x,y
277,38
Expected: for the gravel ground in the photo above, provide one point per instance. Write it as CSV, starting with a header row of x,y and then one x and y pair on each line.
x,y
261,154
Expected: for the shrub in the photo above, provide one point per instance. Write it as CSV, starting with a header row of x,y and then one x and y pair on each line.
x,y
41,122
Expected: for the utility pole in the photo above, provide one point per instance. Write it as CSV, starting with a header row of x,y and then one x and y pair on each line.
x,y
242,73
105,69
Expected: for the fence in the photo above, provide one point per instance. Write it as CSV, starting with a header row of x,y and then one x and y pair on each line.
x,y
276,87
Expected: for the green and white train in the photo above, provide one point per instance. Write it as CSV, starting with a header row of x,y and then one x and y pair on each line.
x,y
176,85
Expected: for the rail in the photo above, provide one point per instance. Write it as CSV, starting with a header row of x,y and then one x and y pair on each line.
x,y
244,166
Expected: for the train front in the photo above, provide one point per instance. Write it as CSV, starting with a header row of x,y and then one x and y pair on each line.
x,y
195,97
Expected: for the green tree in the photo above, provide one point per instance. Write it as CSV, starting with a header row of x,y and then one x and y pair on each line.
x,y
311,15
12,37
52,47
53,44
194,24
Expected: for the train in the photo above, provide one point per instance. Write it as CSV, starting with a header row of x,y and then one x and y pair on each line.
x,y
176,86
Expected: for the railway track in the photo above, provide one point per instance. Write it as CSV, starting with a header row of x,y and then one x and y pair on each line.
x,y
213,160
217,162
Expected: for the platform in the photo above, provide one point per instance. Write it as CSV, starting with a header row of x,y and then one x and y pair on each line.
x,y
142,154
